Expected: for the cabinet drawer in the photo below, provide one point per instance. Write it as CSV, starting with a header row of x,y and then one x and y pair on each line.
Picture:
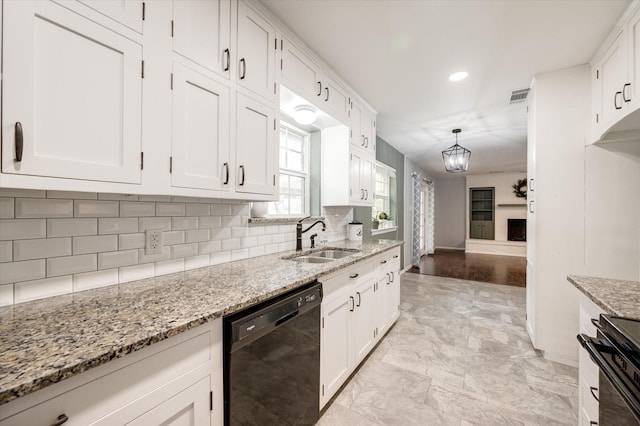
x,y
347,276
588,311
128,391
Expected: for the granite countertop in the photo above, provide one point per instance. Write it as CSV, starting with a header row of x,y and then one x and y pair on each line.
x,y
48,340
616,297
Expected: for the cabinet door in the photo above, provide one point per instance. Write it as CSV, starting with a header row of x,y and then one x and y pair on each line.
x,y
632,94
128,13
200,131
334,343
202,32
531,301
368,180
355,136
256,53
75,90
611,72
299,72
336,99
363,328
187,408
255,147
368,134
356,191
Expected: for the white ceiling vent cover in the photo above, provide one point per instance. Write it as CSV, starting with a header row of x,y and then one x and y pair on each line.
x,y
518,96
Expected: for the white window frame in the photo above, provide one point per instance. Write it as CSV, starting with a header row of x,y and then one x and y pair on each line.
x,y
305,174
389,172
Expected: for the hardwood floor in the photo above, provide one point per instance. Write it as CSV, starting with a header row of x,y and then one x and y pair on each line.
x,y
507,270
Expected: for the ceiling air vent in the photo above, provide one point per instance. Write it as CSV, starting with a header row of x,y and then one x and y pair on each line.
x,y
518,96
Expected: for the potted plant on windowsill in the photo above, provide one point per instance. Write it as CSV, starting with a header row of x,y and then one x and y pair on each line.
x,y
385,221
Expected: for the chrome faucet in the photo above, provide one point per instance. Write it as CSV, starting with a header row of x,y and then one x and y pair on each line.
x,y
299,231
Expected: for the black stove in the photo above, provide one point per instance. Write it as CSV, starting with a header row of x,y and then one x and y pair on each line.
x,y
616,351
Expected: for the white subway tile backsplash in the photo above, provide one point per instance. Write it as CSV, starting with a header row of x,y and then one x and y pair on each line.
x,y
68,265
27,193
137,272
96,279
264,240
163,223
41,248
117,225
194,262
254,231
170,209
19,229
240,209
220,209
179,199
137,209
169,266
6,251
256,251
39,289
94,208
197,235
271,248
184,250
173,237
22,271
30,208
7,208
71,227
95,244
231,221
278,238
239,232
146,258
209,247
132,241
160,198
6,294
239,254
118,197
115,259
209,222
221,234
72,195
194,209
230,244
180,223
248,242
218,258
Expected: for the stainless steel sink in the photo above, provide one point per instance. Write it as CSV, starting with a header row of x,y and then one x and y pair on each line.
x,y
311,259
332,254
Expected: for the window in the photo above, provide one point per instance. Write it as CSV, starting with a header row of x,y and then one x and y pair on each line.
x,y
385,191
294,169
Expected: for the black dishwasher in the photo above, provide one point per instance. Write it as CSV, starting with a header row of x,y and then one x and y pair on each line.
x,y
272,361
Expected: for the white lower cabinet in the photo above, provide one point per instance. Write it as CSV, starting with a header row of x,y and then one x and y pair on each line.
x,y
588,372
174,382
352,318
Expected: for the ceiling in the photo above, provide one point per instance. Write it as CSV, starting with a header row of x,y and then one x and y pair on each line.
x,y
398,54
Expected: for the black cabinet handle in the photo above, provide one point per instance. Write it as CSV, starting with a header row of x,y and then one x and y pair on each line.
x,y
62,418
242,180
624,91
19,141
393,277
319,88
593,391
359,298
353,304
615,100
354,276
228,54
593,423
388,279
362,194
327,91
366,194
226,177
395,257
383,261
366,141
244,69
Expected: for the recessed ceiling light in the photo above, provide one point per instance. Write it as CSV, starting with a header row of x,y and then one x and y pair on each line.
x,y
457,76
305,114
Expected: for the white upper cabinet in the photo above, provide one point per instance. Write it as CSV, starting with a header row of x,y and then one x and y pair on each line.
x,y
255,68
336,98
129,13
362,133
633,31
299,72
255,147
72,96
200,131
202,33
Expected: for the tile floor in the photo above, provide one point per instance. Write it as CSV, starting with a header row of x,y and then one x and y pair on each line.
x,y
509,270
458,355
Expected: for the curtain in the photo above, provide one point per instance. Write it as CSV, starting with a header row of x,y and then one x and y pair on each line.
x,y
431,217
417,183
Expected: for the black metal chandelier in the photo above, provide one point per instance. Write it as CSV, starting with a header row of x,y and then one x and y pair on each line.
x,y
456,158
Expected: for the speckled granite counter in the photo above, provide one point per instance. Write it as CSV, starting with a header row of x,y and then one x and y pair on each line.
x,y
46,341
616,297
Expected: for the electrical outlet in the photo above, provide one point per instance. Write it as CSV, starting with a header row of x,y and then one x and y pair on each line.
x,y
153,241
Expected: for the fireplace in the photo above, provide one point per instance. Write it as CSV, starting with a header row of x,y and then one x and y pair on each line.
x,y
517,229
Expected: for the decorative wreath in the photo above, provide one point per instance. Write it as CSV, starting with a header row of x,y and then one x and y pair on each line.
x,y
517,188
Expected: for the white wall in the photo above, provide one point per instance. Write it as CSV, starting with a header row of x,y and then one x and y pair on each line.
x,y
450,208
409,168
502,182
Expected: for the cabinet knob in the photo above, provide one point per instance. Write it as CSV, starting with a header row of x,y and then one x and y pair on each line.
x,y
354,276
62,418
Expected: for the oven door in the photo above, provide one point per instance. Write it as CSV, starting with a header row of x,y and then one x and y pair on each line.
x,y
619,397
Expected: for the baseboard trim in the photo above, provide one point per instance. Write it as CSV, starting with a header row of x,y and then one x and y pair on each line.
x,y
449,248
406,268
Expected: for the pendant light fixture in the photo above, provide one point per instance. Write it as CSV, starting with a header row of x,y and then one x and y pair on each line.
x,y
456,158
